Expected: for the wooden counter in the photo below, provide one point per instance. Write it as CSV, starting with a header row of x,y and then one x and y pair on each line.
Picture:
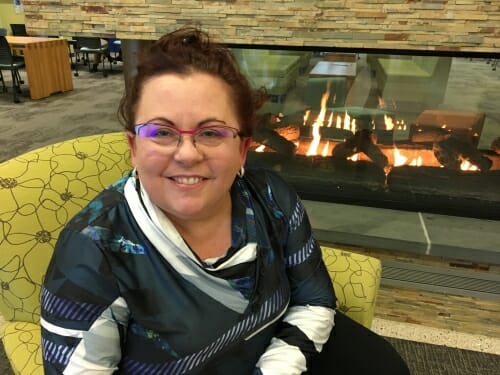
x,y
47,63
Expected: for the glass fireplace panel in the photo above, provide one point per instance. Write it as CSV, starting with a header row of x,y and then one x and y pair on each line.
x,y
410,132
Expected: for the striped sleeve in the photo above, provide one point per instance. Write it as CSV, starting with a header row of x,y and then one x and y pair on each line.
x,y
95,350
81,329
299,335
310,317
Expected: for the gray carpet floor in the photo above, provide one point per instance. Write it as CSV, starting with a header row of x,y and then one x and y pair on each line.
x,y
427,359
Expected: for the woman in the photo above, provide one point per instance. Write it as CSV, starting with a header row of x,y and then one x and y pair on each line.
x,y
189,264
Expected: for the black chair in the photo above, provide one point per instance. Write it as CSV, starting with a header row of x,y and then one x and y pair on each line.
x,y
90,45
115,50
494,63
18,29
8,61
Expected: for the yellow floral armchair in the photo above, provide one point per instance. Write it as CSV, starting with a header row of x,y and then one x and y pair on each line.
x,y
39,192
42,189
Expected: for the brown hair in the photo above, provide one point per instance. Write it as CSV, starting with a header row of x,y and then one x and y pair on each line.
x,y
186,51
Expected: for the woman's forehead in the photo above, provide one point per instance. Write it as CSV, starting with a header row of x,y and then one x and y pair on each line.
x,y
195,95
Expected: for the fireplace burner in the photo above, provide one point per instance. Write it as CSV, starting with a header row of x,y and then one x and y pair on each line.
x,y
370,158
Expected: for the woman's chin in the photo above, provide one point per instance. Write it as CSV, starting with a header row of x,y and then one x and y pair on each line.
x,y
186,211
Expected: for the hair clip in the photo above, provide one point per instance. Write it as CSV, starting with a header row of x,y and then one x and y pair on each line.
x,y
190,39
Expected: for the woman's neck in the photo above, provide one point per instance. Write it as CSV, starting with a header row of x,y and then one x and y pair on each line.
x,y
209,237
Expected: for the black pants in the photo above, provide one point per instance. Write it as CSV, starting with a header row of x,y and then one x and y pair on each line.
x,y
352,349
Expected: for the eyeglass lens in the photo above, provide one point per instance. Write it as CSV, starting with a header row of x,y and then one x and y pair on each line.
x,y
170,136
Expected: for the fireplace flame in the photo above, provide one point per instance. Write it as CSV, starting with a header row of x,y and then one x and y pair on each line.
x,y
306,116
389,123
416,162
396,157
326,148
354,157
313,148
399,158
345,123
468,166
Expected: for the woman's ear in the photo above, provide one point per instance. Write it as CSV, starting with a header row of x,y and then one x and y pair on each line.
x,y
245,145
131,143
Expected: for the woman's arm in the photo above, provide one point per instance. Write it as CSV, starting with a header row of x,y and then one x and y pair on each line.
x,y
83,317
309,319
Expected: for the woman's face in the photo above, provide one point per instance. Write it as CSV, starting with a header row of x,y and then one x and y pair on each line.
x,y
187,182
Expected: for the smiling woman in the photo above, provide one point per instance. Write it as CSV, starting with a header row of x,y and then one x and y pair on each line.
x,y
189,263
197,175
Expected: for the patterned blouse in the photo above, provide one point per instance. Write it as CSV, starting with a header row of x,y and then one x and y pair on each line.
x,y
125,294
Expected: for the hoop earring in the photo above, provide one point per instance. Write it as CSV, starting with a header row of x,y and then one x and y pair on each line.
x,y
241,172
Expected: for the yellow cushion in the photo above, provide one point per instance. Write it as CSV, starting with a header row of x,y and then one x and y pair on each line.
x,y
356,279
21,341
40,191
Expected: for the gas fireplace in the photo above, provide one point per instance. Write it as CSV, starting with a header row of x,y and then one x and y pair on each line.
x,y
380,130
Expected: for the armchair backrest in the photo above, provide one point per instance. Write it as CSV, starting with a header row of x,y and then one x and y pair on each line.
x,y
39,192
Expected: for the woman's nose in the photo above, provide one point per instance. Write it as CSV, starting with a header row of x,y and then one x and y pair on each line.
x,y
187,148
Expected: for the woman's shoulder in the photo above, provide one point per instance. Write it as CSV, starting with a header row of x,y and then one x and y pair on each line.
x,y
101,208
272,187
267,178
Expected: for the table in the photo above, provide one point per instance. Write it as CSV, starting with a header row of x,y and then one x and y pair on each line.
x,y
336,69
47,64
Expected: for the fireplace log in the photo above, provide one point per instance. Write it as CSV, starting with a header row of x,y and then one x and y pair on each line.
x,y
363,141
317,173
273,140
273,121
297,163
467,126
326,132
269,120
428,134
452,151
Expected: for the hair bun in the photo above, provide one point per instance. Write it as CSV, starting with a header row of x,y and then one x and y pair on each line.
x,y
190,39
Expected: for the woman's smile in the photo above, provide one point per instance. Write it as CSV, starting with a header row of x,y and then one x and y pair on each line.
x,y
187,180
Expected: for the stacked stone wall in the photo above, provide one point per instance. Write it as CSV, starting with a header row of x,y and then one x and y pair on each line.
x,y
456,25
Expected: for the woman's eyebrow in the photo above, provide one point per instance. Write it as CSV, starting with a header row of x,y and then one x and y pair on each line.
x,y
162,120
209,120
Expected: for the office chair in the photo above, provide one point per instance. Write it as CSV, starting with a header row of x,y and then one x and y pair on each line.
x,y
494,63
18,29
115,50
12,63
87,45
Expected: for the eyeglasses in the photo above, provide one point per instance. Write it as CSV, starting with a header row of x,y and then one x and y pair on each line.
x,y
169,136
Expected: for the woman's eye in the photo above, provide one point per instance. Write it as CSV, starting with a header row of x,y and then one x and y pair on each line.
x,y
162,132
210,133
